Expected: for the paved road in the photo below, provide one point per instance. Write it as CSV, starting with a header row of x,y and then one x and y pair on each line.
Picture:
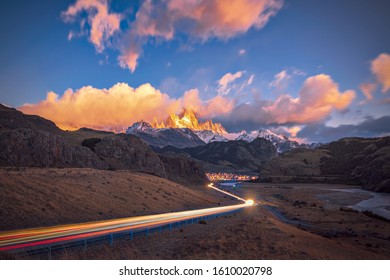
x,y
50,235
18,239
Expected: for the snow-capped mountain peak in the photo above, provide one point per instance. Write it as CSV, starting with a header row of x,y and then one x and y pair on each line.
x,y
270,135
139,126
280,141
209,136
188,119
191,132
245,136
161,137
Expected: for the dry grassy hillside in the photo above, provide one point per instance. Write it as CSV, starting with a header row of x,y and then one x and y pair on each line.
x,y
318,228
33,197
363,161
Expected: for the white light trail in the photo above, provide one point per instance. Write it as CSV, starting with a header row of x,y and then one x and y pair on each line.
x,y
232,195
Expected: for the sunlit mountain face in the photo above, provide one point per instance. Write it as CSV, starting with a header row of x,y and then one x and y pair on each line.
x,y
188,119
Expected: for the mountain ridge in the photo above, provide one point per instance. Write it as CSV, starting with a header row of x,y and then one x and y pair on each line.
x,y
32,141
355,160
188,119
187,137
161,137
231,156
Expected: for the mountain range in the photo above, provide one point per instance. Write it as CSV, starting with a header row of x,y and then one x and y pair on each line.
x,y
281,142
231,156
185,130
32,141
161,137
187,119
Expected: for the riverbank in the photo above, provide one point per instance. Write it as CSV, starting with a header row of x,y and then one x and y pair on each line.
x,y
377,203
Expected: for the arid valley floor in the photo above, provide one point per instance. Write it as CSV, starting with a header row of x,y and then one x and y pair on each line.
x,y
303,221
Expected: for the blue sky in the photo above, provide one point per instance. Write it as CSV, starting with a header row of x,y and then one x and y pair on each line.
x,y
305,39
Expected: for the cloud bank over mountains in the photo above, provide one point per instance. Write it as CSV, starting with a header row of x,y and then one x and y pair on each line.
x,y
237,98
121,105
297,114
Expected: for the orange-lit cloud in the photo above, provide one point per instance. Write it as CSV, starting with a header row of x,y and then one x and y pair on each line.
x,y
368,89
103,23
216,106
118,107
242,52
280,80
294,130
217,18
283,78
162,20
223,83
318,96
291,132
250,80
380,67
317,99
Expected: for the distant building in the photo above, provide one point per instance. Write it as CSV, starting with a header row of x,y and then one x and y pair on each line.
x,y
221,176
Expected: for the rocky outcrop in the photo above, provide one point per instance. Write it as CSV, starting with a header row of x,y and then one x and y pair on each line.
x,y
123,151
11,118
366,159
181,169
30,148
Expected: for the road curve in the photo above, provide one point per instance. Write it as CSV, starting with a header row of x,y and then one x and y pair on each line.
x,y
18,239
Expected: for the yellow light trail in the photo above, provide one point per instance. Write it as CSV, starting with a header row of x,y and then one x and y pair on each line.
x,y
248,202
49,235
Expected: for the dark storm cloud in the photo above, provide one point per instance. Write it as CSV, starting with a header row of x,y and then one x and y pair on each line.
x,y
368,128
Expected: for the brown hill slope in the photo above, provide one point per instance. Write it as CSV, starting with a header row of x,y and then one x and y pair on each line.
x,y
231,156
362,160
34,197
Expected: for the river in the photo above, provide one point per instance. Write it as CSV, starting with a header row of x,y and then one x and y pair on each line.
x,y
378,203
